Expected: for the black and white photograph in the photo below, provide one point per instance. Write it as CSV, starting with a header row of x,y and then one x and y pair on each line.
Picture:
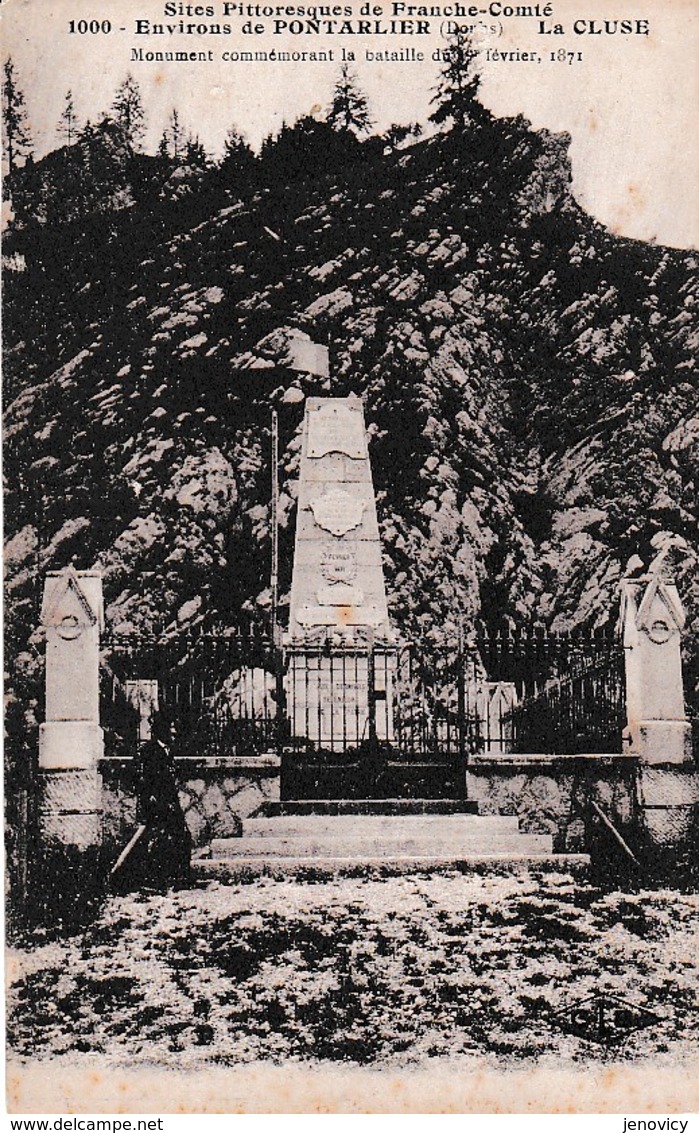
x,y
350,438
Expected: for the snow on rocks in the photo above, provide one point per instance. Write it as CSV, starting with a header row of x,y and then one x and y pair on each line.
x,y
190,345
685,436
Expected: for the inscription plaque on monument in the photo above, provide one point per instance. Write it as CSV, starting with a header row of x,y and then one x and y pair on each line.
x,y
337,511
340,616
338,564
340,594
336,425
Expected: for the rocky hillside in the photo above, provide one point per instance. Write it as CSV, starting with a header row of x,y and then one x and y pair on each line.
x,y
529,383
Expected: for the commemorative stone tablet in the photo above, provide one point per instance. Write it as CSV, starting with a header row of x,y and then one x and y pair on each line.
x,y
335,425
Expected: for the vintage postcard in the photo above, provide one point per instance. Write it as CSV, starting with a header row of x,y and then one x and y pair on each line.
x,y
349,374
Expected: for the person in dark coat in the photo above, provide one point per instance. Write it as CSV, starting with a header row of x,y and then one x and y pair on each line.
x,y
161,853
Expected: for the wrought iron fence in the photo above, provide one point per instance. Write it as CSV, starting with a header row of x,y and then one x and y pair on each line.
x,y
583,712
436,710
218,690
419,702
234,692
118,715
569,690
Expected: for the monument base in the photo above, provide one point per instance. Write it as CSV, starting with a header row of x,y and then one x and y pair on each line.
x,y
70,744
70,808
668,802
660,741
330,697
70,871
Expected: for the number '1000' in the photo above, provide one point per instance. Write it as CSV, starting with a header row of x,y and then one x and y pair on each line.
x,y
93,27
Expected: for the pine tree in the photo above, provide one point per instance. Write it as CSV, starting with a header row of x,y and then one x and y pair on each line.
x,y
234,144
18,143
172,142
238,162
349,109
68,122
396,134
457,90
127,111
195,155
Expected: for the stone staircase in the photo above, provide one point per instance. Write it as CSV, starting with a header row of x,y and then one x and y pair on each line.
x,y
371,806
396,840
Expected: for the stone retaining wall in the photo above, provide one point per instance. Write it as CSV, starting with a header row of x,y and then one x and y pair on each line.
x,y
550,793
215,793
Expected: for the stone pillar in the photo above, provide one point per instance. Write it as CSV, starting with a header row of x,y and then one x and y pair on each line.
x,y
657,730
71,740
495,701
144,697
652,618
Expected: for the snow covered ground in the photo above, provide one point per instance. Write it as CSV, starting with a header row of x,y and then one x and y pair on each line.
x,y
372,971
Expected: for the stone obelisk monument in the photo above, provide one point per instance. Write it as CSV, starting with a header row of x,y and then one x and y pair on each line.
x,y
341,657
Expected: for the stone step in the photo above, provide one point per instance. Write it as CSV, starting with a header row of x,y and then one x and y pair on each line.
x,y
233,869
345,846
378,825
372,806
